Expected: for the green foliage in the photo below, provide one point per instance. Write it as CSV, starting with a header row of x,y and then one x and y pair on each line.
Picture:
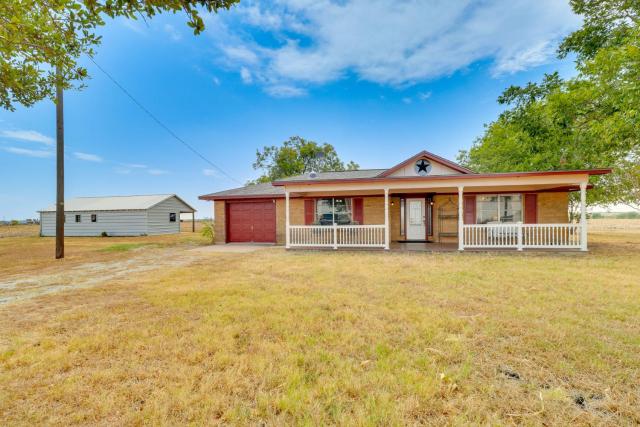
x,y
298,156
36,36
590,121
208,231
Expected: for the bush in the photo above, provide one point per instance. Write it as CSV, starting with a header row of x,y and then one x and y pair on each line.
x,y
208,231
104,234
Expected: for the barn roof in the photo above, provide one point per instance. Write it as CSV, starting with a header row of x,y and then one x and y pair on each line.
x,y
116,203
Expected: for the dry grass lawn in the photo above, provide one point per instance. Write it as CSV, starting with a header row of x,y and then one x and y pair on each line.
x,y
349,338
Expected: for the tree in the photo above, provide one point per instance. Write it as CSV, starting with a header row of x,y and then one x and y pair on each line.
x,y
36,36
589,121
298,156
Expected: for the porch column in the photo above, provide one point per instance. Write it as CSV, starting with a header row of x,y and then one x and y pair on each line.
x,y
193,221
460,218
583,216
386,219
286,218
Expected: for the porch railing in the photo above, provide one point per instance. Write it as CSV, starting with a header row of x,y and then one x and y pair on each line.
x,y
337,236
521,236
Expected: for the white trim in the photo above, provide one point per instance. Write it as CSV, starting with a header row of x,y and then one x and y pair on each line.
x,y
460,218
286,220
521,236
337,236
583,216
386,219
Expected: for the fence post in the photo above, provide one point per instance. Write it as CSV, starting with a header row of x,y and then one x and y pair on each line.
x,y
335,236
520,245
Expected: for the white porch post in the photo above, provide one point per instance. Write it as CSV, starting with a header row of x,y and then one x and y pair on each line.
x,y
286,218
583,216
460,219
386,219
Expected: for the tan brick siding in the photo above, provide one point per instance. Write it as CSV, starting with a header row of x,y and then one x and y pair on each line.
x,y
219,221
553,208
449,205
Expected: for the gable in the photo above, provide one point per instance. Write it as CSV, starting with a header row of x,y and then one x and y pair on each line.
x,y
436,168
428,163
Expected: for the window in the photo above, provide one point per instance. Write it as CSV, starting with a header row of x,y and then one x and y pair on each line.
x,y
172,217
498,208
94,218
332,210
78,218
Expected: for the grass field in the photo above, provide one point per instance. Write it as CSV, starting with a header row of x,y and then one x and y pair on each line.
x,y
349,338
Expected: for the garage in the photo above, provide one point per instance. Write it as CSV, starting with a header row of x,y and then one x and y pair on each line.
x,y
251,221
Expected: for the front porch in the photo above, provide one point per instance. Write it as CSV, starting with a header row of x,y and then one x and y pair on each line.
x,y
389,225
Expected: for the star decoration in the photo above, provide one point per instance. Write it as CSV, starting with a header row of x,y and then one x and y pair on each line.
x,y
422,166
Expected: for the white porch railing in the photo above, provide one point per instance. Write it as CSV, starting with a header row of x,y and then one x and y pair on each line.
x,y
337,236
521,236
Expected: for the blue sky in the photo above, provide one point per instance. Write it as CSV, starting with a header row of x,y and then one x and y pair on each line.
x,y
380,80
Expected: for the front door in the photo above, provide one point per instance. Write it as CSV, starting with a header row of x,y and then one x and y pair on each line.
x,y
415,219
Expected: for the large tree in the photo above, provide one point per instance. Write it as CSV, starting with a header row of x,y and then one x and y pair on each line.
x,y
38,36
589,121
298,156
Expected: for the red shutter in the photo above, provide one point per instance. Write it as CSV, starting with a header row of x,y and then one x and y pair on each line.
x,y
530,208
309,211
470,209
358,211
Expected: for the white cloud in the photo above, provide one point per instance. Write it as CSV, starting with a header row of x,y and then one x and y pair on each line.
x,y
406,100
28,135
27,152
157,172
245,74
134,165
122,171
87,157
134,26
285,91
215,80
312,42
423,96
209,172
172,32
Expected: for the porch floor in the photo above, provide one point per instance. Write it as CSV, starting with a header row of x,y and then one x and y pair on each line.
x,y
423,247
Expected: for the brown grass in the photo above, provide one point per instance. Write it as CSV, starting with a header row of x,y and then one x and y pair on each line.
x,y
353,338
23,251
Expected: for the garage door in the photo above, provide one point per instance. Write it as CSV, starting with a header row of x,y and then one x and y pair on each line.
x,y
252,222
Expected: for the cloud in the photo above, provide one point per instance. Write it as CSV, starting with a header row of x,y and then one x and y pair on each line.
x,y
157,172
423,96
134,165
27,152
28,135
172,32
210,172
304,43
285,91
215,80
407,100
134,26
245,74
87,157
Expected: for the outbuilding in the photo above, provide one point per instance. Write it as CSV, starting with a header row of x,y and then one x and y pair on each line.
x,y
118,216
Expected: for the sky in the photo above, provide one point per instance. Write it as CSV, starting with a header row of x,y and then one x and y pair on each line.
x,y
380,80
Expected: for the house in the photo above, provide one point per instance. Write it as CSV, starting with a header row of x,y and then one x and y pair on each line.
x,y
118,216
417,200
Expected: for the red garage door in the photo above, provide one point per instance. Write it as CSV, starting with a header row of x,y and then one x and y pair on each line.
x,y
252,221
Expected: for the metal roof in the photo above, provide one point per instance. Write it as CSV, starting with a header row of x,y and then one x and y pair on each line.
x,y
116,203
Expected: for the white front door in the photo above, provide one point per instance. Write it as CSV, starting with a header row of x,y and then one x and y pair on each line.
x,y
415,219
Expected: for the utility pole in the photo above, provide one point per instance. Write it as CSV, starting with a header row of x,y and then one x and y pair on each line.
x,y
59,167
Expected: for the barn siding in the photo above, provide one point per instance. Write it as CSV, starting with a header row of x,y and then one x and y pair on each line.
x,y
114,223
158,217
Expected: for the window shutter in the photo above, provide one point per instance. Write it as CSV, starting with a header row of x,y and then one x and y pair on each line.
x,y
358,211
309,211
530,208
470,209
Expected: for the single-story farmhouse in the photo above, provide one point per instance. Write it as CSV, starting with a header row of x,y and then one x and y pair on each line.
x,y
118,216
417,200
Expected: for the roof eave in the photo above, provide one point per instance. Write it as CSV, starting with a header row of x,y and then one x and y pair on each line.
x,y
589,172
430,156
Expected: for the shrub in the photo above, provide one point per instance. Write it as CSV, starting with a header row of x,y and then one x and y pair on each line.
x,y
104,234
208,231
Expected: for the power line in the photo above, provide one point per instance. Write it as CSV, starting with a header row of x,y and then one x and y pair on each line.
x,y
161,124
